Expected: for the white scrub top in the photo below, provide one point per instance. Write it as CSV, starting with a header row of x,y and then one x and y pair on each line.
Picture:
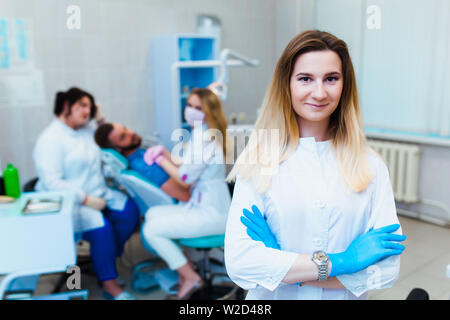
x,y
68,159
309,207
203,167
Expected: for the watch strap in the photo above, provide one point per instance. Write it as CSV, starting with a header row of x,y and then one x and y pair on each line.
x,y
323,271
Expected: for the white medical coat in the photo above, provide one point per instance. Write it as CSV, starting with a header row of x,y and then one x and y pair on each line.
x,y
203,167
68,159
309,207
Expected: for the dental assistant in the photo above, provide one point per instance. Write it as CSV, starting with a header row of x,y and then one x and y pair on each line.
x,y
202,170
316,219
67,158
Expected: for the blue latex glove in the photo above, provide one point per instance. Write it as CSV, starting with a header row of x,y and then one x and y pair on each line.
x,y
258,229
366,250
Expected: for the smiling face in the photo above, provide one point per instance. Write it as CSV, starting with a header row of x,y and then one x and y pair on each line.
x,y
79,113
316,85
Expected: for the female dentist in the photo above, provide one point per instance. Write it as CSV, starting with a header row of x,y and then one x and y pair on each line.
x,y
67,158
202,169
314,217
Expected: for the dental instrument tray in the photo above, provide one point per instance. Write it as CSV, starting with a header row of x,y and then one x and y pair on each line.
x,y
42,205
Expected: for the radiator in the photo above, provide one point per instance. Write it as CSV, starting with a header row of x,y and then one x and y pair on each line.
x,y
402,160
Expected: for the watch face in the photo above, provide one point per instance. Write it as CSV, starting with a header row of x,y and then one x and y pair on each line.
x,y
320,256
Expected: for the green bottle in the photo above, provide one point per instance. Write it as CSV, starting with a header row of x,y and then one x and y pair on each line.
x,y
11,179
2,184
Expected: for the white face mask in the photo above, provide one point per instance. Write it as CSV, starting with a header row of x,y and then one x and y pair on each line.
x,y
193,116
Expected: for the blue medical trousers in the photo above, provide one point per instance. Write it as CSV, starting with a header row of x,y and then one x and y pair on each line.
x,y
107,242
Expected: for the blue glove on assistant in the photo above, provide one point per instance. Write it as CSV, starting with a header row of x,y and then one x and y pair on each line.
x,y
258,229
366,250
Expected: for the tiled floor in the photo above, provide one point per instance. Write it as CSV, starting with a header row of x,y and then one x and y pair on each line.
x,y
423,262
423,265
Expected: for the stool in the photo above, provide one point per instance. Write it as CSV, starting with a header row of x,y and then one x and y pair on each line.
x,y
210,291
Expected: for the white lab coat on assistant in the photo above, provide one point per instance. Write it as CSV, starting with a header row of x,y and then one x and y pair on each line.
x,y
205,214
68,159
203,167
309,207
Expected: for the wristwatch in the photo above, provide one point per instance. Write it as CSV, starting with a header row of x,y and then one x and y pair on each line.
x,y
320,258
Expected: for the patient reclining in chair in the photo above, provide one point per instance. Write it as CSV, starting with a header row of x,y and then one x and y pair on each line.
x,y
128,143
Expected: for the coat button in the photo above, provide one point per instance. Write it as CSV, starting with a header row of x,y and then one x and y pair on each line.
x,y
317,242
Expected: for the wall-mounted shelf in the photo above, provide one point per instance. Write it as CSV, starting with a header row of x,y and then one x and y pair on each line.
x,y
180,63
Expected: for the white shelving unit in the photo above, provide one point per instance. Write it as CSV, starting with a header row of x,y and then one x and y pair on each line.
x,y
180,63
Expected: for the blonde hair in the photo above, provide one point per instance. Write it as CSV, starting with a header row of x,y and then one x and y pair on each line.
x,y
345,127
214,115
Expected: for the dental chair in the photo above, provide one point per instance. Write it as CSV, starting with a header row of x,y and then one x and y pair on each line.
x,y
218,285
209,268
224,290
146,195
139,188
